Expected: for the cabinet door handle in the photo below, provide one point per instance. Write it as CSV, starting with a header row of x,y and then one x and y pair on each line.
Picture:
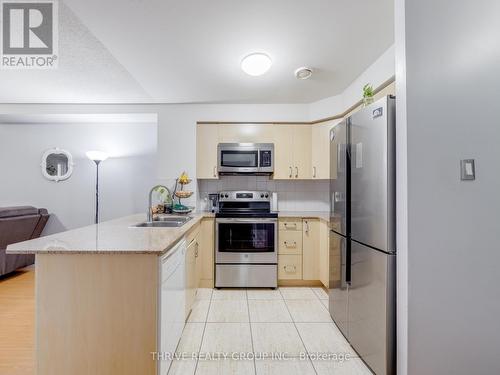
x,y
196,250
296,172
215,171
289,268
290,245
286,225
314,172
291,172
307,226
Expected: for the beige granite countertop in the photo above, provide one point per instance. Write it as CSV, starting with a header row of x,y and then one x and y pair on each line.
x,y
322,215
120,237
109,237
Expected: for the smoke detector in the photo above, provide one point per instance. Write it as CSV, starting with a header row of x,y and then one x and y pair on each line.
x,y
303,72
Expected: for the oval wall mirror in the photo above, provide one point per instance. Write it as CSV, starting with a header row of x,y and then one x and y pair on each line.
x,y
57,164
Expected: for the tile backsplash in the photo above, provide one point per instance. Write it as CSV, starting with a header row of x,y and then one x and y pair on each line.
x,y
294,195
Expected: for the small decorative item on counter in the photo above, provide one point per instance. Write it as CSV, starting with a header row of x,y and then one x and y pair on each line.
x,y
368,94
181,209
182,194
184,179
165,198
158,209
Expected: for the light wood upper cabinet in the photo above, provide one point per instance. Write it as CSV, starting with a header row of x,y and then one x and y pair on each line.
x,y
302,152
311,249
292,152
252,133
207,138
283,150
320,150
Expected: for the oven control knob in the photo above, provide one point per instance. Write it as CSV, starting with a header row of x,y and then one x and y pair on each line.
x,y
262,195
267,195
222,195
227,196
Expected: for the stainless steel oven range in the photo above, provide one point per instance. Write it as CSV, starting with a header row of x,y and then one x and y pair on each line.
x,y
246,240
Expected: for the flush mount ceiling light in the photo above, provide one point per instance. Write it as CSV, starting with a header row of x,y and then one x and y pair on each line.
x,y
303,72
256,64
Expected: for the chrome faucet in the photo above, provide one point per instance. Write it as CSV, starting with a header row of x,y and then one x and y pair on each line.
x,y
150,208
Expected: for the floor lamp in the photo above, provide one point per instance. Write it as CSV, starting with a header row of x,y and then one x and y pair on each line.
x,y
97,157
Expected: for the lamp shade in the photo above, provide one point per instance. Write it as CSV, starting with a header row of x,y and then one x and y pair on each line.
x,y
97,155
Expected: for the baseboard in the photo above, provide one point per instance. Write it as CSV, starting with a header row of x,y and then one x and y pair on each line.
x,y
206,283
315,283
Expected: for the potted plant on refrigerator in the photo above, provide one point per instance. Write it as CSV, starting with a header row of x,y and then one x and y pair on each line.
x,y
367,94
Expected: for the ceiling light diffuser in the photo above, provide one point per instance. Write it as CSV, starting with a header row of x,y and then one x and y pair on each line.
x,y
256,64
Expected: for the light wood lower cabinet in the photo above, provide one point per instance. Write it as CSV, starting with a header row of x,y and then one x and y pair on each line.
x,y
303,252
205,260
290,242
191,275
96,314
311,249
289,267
126,306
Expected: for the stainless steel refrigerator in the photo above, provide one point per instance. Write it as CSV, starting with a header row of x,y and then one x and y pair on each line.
x,y
362,294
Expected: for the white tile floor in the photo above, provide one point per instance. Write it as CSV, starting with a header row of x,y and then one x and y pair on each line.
x,y
257,324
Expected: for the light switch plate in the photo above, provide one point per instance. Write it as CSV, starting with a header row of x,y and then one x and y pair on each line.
x,y
467,170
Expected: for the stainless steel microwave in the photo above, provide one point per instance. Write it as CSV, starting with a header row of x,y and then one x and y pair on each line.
x,y
245,158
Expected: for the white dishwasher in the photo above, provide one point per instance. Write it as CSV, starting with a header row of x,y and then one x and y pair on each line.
x,y
172,302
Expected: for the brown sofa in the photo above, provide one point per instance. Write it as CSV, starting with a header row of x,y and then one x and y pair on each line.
x,y
19,224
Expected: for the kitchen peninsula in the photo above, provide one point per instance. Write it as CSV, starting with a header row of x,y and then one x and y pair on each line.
x,y
105,301
98,305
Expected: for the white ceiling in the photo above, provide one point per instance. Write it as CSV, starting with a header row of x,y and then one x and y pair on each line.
x,y
173,51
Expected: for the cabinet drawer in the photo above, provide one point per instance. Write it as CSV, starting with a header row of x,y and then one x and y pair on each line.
x,y
289,267
290,224
290,242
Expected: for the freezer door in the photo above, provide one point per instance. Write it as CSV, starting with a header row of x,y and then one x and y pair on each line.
x,y
372,307
338,292
373,175
339,172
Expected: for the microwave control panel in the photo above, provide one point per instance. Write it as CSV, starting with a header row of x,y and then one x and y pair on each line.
x,y
266,158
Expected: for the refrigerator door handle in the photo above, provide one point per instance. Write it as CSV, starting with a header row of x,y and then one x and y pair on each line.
x,y
340,158
345,261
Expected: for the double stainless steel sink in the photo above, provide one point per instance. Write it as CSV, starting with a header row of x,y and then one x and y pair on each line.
x,y
165,221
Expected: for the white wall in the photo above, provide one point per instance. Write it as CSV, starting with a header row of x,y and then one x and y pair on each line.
x,y
376,74
177,122
401,192
124,178
176,151
452,89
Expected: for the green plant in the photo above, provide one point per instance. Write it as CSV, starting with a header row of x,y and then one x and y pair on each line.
x,y
368,91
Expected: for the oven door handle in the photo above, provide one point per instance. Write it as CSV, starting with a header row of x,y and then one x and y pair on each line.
x,y
246,220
